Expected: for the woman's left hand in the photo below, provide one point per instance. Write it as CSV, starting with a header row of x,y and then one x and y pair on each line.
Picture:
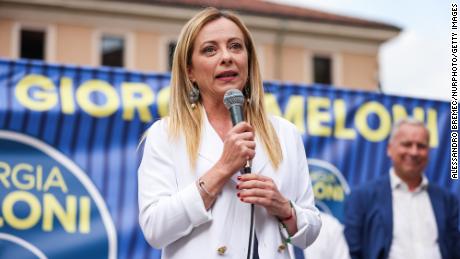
x,y
262,190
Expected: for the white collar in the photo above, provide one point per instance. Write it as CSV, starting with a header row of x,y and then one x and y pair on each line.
x,y
397,183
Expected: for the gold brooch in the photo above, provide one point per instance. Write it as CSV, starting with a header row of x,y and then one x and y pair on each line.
x,y
281,248
221,250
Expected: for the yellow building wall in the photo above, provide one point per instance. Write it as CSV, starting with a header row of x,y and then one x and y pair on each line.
x,y
6,34
146,52
74,44
267,61
360,71
293,64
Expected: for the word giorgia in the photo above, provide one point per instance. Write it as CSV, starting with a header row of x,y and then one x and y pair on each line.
x,y
22,180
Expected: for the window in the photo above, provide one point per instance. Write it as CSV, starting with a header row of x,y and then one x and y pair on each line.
x,y
112,51
322,70
32,44
171,49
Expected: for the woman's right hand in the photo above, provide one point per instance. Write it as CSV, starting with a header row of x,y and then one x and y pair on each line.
x,y
239,147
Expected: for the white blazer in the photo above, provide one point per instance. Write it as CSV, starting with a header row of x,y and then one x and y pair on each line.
x,y
172,214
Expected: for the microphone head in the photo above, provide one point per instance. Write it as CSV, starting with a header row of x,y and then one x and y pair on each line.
x,y
233,97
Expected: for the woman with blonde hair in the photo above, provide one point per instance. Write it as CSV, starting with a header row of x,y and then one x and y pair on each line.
x,y
193,202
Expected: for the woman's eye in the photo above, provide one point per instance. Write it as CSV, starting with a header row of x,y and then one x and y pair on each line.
x,y
208,50
236,45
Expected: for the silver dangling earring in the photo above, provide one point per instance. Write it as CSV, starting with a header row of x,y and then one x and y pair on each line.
x,y
247,93
194,95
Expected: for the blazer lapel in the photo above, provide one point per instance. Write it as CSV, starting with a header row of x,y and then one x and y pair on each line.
x,y
386,208
260,159
211,145
438,209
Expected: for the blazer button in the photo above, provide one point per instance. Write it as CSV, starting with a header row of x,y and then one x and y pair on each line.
x,y
221,250
281,248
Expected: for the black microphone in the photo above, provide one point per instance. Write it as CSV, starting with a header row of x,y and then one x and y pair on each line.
x,y
234,100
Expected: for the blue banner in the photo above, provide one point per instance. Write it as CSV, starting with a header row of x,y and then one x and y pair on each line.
x,y
69,153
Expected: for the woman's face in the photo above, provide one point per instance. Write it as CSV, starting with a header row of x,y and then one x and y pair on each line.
x,y
219,59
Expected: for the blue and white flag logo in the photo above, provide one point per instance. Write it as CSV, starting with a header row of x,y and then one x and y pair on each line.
x,y
329,187
48,202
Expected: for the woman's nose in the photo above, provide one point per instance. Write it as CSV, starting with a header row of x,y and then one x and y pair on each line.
x,y
226,57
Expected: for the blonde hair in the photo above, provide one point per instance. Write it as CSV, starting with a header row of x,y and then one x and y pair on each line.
x,y
185,119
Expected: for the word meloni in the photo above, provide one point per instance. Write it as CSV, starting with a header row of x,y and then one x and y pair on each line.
x,y
315,115
23,178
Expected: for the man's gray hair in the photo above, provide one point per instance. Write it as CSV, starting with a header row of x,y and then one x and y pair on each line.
x,y
408,120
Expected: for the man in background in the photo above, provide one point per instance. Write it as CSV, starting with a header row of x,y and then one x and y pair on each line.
x,y
402,215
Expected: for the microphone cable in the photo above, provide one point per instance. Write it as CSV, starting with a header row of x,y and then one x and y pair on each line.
x,y
247,170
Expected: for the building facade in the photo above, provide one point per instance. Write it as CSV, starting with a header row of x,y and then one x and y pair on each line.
x,y
294,44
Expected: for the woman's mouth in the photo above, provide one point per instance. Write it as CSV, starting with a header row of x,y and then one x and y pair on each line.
x,y
227,75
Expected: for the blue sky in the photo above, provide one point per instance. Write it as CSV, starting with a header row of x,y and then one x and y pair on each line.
x,y
417,62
